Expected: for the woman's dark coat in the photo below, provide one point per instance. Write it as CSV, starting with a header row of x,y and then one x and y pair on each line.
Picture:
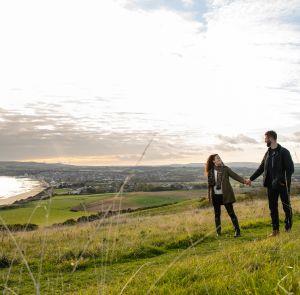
x,y
228,194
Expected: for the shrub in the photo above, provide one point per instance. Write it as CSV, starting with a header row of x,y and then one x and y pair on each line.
x,y
4,262
19,227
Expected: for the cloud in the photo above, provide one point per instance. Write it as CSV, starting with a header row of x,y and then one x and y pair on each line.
x,y
128,68
55,137
47,135
297,134
239,139
225,148
188,3
294,138
176,5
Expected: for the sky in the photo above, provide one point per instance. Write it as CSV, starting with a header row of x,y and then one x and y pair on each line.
x,y
94,82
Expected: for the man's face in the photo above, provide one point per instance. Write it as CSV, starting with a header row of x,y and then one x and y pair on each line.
x,y
268,141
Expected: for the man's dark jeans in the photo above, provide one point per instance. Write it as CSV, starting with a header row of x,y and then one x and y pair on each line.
x,y
273,195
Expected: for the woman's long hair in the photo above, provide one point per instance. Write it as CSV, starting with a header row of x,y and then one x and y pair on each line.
x,y
209,163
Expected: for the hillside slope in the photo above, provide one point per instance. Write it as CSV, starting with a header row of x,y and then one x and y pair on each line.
x,y
156,252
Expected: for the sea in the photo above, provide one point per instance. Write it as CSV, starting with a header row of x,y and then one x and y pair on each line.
x,y
12,186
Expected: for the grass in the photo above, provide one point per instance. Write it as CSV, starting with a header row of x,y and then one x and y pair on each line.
x,y
61,205
136,200
37,210
168,250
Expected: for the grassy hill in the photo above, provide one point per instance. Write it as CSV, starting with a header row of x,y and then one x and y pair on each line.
x,y
167,250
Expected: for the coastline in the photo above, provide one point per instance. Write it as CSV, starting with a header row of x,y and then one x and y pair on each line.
x,y
35,191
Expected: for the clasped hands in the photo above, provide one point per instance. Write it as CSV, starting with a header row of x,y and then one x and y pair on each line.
x,y
247,182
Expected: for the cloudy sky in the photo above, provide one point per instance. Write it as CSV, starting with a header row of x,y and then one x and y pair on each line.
x,y
93,82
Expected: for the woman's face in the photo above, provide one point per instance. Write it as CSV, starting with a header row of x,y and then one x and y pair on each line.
x,y
217,160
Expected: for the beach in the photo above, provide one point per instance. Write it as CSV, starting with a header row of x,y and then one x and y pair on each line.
x,y
24,195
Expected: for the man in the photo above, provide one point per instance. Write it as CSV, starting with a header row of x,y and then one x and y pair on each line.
x,y
277,167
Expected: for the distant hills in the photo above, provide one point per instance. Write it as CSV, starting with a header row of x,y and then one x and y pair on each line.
x,y
16,165
230,164
31,165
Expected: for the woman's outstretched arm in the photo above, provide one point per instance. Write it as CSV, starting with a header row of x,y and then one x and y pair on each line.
x,y
236,176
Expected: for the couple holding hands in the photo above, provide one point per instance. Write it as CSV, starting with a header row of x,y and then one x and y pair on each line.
x,y
277,168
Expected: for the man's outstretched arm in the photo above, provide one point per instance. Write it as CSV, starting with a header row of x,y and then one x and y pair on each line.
x,y
260,169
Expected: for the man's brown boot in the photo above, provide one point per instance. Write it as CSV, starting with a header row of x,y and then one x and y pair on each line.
x,y
274,233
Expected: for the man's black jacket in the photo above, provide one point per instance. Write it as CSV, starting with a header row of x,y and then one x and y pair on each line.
x,y
283,168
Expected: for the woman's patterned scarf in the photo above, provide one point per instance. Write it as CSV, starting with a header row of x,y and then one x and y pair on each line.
x,y
211,176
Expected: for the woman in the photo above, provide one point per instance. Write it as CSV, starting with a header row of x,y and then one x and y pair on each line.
x,y
220,191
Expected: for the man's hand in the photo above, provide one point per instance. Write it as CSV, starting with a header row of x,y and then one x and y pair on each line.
x,y
248,182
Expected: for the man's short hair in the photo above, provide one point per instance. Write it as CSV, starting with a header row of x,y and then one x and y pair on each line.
x,y
272,134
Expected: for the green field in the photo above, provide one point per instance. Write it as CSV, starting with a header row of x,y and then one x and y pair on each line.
x,y
57,209
135,200
166,250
